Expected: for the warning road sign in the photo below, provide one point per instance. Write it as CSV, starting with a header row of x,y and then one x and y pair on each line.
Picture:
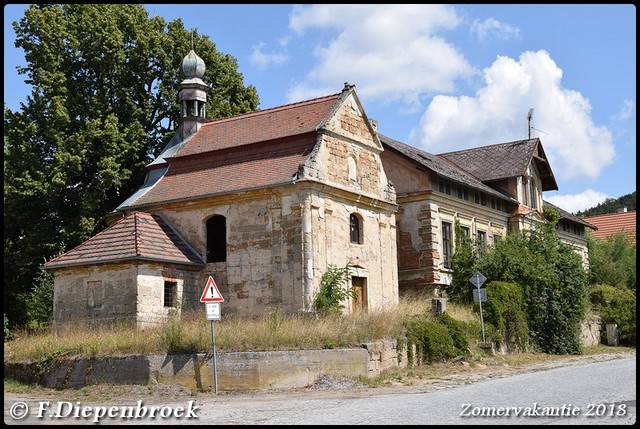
x,y
211,292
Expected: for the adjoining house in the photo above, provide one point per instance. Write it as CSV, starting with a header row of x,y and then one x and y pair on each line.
x,y
624,221
267,201
490,190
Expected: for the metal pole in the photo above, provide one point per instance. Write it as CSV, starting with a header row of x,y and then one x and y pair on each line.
x,y
215,368
481,321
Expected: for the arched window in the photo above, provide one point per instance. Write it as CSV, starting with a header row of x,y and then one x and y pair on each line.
x,y
217,239
355,223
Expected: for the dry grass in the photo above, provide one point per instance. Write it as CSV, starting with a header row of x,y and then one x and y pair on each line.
x,y
192,333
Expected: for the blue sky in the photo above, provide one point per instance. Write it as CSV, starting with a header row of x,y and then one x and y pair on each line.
x,y
442,77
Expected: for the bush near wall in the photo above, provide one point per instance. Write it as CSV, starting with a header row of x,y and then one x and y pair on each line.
x,y
505,309
437,339
616,305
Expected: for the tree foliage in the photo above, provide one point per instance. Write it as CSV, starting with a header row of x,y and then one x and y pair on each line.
x,y
552,279
333,293
612,261
611,205
616,305
103,104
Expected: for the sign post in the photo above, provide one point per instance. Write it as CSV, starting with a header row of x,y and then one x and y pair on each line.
x,y
478,280
212,298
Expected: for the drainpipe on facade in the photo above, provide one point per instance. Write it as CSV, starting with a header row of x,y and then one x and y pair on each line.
x,y
307,254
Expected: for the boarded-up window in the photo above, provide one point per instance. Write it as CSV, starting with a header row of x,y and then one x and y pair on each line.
x,y
95,294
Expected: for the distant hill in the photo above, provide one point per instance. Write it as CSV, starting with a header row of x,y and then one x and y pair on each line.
x,y
611,205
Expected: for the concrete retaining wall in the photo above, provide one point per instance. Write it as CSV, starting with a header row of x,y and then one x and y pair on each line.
x,y
236,371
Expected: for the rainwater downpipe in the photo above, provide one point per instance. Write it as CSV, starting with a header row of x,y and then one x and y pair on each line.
x,y
307,254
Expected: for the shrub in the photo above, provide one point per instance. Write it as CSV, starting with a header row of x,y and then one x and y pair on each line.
x,y
437,339
331,296
505,309
616,305
7,332
40,301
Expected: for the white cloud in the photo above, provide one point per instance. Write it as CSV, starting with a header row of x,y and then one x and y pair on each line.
x,y
263,60
492,28
577,202
626,111
576,147
391,52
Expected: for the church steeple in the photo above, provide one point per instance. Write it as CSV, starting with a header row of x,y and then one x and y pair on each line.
x,y
192,94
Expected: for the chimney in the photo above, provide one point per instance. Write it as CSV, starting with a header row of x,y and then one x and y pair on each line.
x,y
622,210
374,125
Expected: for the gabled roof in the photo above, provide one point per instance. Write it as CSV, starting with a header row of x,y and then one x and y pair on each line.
x,y
239,153
440,166
568,216
138,236
612,223
504,160
263,125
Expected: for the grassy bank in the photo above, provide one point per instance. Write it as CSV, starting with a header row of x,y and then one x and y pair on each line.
x,y
192,333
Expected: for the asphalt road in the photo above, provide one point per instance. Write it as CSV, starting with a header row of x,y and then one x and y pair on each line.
x,y
600,392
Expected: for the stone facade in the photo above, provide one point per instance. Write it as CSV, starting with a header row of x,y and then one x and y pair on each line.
x,y
279,239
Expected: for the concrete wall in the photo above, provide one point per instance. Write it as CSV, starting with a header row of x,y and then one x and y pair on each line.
x,y
236,371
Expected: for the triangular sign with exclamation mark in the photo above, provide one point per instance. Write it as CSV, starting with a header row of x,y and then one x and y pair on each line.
x,y
211,292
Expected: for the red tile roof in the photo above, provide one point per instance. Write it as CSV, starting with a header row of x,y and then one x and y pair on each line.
x,y
609,224
268,124
252,167
249,151
139,236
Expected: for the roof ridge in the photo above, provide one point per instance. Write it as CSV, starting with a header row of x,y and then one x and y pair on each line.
x,y
611,214
271,109
137,235
489,146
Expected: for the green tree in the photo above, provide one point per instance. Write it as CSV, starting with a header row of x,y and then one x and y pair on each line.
x,y
612,261
103,104
616,305
611,205
552,279
464,259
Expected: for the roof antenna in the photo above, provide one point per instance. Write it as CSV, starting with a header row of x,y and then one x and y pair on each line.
x,y
529,117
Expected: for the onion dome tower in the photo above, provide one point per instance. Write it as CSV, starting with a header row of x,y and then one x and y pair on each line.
x,y
192,94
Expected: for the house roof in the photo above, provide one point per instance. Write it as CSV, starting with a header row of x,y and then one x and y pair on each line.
x,y
253,167
568,216
263,125
138,236
239,153
441,166
612,223
504,160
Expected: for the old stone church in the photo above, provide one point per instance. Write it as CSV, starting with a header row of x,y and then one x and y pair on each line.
x,y
265,202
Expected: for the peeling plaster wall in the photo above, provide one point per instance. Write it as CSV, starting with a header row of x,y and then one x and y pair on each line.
x,y
94,294
129,292
375,259
264,257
